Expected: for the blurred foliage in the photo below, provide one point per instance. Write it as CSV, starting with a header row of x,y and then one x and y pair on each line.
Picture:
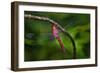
x,y
41,45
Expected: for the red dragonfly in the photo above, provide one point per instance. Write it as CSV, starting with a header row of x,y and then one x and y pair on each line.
x,y
55,33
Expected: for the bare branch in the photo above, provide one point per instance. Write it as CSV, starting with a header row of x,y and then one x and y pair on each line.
x,y
44,19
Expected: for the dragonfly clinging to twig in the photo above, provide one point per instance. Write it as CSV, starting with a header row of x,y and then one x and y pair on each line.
x,y
55,33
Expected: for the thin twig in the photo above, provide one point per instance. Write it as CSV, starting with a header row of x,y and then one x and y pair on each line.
x,y
57,25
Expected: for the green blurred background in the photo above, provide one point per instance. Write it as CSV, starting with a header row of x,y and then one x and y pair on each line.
x,y
41,45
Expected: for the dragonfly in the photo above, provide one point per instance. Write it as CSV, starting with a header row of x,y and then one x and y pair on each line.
x,y
55,33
